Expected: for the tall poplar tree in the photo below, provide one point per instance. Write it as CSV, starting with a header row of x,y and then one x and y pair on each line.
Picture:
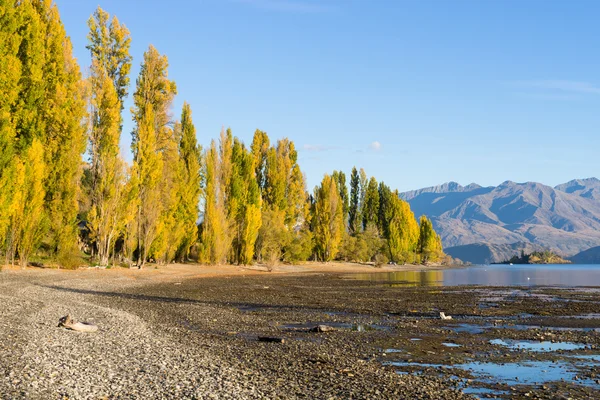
x,y
353,209
10,74
430,243
109,47
329,221
243,204
109,44
152,101
190,154
370,213
107,168
340,180
214,236
63,110
403,231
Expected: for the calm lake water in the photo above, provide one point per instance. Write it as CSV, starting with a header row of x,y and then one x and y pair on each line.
x,y
492,275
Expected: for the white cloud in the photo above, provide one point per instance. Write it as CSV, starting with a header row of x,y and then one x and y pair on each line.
x,y
375,146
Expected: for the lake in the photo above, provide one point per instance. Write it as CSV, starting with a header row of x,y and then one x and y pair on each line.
x,y
569,275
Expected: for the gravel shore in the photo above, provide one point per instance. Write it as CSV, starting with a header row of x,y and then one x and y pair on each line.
x,y
172,340
173,335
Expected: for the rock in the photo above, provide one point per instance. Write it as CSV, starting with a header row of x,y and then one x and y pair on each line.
x,y
68,322
322,328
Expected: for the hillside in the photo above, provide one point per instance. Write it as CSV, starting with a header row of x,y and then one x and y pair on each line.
x,y
565,219
589,256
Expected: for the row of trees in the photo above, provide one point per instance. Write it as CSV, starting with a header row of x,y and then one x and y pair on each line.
x,y
64,186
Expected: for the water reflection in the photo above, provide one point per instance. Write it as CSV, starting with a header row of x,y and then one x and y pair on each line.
x,y
491,275
404,278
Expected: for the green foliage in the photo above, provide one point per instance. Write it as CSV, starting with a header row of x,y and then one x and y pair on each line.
x,y
329,219
190,153
152,143
353,208
109,44
370,209
403,231
430,243
537,257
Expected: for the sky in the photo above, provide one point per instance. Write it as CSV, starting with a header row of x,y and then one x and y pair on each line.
x,y
417,93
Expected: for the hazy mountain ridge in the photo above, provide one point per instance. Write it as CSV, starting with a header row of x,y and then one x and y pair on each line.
x,y
565,218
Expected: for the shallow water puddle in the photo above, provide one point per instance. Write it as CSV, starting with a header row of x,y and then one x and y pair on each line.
x,y
533,345
482,390
451,344
337,325
473,329
527,372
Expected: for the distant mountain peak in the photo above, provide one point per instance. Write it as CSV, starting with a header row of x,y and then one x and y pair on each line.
x,y
564,219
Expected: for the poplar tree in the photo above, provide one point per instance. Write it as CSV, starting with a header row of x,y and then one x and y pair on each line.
x,y
284,200
353,209
10,73
260,148
329,221
107,168
403,231
190,154
109,47
213,237
63,111
27,208
243,204
370,212
109,44
152,101
384,214
430,243
340,180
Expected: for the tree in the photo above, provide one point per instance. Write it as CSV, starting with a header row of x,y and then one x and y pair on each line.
x,y
190,153
28,212
403,231
430,243
370,212
109,45
384,214
243,204
353,209
214,236
340,180
107,168
10,75
151,136
63,111
329,221
260,148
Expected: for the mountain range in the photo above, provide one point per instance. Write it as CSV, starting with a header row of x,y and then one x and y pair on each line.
x,y
512,216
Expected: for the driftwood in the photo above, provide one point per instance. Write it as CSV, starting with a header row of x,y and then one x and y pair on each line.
x,y
444,316
67,322
270,339
322,328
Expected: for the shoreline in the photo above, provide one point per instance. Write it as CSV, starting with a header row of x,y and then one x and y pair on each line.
x,y
164,335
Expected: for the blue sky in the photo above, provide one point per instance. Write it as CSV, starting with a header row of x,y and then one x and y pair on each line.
x,y
416,92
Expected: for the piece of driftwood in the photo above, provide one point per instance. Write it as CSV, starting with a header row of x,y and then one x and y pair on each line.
x,y
67,322
270,339
444,316
322,328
